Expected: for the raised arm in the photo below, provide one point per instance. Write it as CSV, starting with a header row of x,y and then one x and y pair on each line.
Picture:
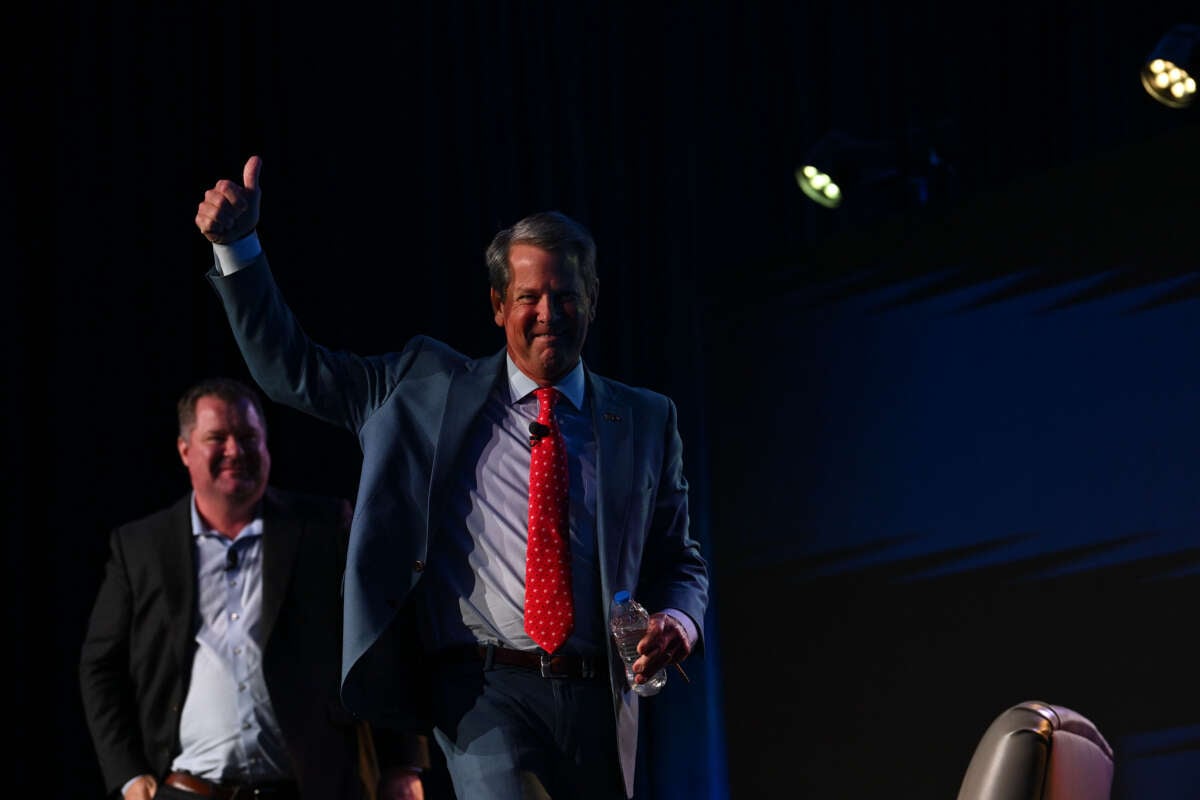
x,y
336,386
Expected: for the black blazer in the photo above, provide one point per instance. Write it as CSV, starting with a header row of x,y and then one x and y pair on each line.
x,y
136,658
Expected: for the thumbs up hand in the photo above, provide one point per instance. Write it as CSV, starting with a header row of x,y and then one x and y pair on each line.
x,y
229,211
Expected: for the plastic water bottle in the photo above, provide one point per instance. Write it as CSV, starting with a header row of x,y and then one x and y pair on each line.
x,y
628,621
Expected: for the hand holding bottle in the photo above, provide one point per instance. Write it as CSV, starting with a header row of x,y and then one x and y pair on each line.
x,y
665,643
646,643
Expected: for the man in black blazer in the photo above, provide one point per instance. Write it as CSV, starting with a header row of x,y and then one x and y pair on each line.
x,y
211,661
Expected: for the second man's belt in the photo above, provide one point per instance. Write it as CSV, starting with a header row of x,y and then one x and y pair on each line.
x,y
230,791
556,666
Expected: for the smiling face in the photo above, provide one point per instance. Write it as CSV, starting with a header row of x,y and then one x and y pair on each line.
x,y
225,452
545,312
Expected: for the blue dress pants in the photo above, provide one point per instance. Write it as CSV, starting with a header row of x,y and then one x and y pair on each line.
x,y
510,734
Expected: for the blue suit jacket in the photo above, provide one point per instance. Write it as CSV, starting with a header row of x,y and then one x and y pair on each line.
x,y
411,411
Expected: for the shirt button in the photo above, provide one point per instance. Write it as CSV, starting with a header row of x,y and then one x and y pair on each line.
x,y
245,726
241,687
237,651
418,566
234,615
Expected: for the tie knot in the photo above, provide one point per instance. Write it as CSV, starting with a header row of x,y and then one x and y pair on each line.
x,y
547,396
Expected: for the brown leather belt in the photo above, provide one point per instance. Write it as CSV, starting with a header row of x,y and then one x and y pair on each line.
x,y
231,791
557,666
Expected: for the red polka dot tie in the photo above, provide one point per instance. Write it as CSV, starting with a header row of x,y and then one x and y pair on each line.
x,y
549,614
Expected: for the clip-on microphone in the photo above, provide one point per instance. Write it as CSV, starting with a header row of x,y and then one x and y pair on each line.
x,y
536,431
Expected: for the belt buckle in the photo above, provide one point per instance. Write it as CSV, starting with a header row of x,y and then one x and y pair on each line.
x,y
545,660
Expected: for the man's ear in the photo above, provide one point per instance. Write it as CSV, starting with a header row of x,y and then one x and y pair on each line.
x,y
595,299
182,446
498,308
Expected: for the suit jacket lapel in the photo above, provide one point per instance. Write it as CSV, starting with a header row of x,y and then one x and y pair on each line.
x,y
281,538
465,397
612,421
177,561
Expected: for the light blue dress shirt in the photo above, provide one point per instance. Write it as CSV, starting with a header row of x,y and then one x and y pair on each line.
x,y
475,577
228,728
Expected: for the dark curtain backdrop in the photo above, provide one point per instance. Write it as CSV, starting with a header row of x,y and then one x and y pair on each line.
x,y
397,138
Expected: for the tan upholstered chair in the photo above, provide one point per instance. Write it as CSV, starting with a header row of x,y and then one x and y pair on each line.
x,y
1039,751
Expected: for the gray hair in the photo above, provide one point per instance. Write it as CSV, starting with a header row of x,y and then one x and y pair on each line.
x,y
554,232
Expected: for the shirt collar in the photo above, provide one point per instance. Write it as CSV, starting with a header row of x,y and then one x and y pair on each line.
x,y
521,385
199,528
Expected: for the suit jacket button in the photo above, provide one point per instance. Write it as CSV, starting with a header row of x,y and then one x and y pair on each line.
x,y
418,566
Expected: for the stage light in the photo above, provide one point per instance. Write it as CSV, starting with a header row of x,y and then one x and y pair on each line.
x,y
1169,74
869,178
819,187
839,163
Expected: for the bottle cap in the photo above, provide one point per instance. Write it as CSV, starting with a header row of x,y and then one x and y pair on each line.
x,y
621,596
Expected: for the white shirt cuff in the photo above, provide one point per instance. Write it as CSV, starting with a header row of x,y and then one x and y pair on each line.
x,y
687,623
239,254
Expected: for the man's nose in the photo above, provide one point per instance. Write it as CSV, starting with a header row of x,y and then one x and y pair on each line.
x,y
549,310
232,446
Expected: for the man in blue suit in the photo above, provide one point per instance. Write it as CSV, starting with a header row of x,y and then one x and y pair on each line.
x,y
435,583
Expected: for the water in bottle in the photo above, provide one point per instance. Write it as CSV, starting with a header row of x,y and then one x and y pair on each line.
x,y
628,622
